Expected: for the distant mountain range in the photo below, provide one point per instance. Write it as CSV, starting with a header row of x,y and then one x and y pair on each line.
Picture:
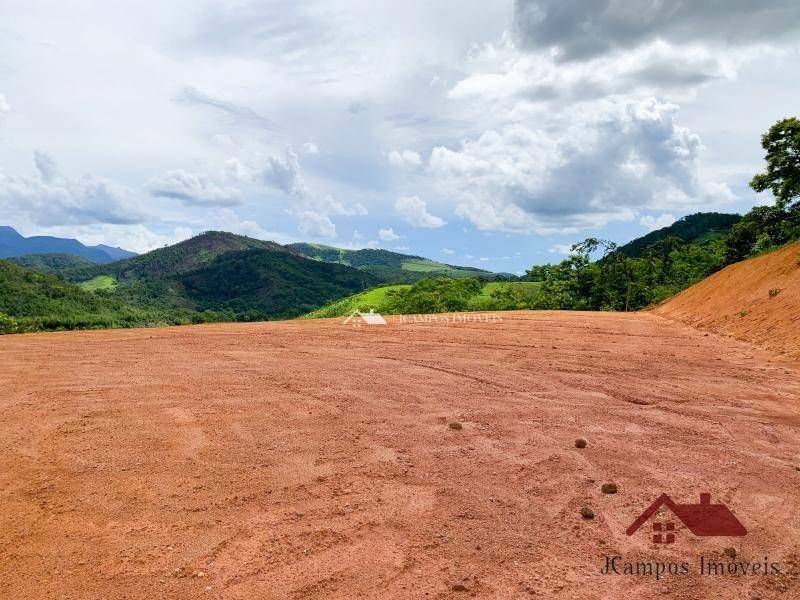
x,y
215,276
14,244
388,266
57,255
218,276
210,277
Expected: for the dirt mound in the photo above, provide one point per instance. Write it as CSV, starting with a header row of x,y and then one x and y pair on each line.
x,y
757,300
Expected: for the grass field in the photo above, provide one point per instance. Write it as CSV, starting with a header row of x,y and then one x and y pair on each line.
x,y
373,299
99,283
428,266
376,299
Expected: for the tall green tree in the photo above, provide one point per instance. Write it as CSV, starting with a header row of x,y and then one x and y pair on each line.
x,y
767,227
782,177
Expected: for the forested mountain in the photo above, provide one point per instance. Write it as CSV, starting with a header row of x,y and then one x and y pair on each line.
x,y
184,256
215,276
388,266
31,301
52,263
692,229
236,277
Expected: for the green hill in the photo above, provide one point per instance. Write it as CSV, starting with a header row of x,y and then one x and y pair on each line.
x,y
53,263
269,284
225,277
388,266
698,228
378,299
34,301
183,257
375,299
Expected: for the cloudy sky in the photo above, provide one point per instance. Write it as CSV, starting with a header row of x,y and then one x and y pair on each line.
x,y
473,132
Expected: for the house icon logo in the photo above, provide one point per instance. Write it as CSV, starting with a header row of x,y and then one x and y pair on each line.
x,y
358,318
704,519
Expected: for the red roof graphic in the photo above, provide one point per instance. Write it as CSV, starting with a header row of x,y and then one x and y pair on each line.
x,y
704,519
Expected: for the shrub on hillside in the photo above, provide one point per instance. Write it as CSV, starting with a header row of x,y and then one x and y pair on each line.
x,y
8,324
434,296
511,297
763,229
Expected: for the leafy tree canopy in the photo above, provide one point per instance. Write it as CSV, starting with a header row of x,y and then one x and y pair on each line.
x,y
434,296
782,177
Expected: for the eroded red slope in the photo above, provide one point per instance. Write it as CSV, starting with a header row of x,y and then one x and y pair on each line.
x,y
757,300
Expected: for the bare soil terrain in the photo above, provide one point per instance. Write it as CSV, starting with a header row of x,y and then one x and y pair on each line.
x,y
756,300
306,459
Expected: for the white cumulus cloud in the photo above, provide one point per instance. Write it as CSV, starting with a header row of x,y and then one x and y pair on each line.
x,y
310,148
388,234
316,225
560,249
583,171
50,198
4,107
312,210
193,189
415,211
283,173
235,169
226,219
404,158
653,223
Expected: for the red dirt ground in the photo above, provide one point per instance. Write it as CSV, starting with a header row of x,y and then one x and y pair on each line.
x,y
306,459
737,302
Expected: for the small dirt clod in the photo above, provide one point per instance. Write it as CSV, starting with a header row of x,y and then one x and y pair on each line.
x,y
456,425
587,513
580,443
609,488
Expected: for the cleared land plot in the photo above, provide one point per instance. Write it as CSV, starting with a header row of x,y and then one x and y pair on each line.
x,y
99,283
441,269
305,459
